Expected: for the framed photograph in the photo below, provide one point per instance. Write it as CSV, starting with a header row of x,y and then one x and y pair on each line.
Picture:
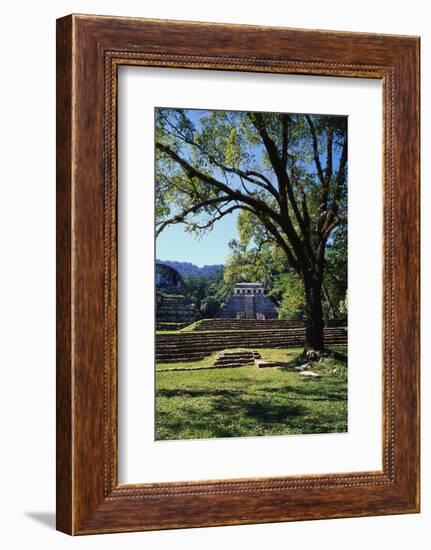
x,y
237,274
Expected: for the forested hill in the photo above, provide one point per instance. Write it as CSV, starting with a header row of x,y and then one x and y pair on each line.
x,y
186,268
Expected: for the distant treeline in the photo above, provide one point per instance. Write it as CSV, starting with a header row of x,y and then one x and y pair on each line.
x,y
186,269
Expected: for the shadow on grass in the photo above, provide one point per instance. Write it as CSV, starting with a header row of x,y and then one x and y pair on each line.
x,y
339,356
295,362
301,359
305,406
228,417
309,394
272,413
187,392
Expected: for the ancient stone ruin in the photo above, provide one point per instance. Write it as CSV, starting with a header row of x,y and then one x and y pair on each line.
x,y
168,280
239,358
174,308
248,301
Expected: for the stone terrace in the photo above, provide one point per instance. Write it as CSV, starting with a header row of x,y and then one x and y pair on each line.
x,y
244,324
194,346
174,309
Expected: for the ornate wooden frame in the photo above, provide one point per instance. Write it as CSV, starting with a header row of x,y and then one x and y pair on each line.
x,y
89,51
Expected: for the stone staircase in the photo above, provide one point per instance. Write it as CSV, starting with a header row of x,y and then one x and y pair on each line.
x,y
248,306
230,359
194,346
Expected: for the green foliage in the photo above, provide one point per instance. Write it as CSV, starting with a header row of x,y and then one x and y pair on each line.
x,y
208,293
251,265
196,288
288,292
210,306
335,277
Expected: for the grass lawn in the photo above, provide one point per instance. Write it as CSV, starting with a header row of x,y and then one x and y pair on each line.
x,y
249,401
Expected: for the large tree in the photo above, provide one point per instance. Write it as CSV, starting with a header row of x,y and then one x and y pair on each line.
x,y
287,171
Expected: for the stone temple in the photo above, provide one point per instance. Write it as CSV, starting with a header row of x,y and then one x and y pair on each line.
x,y
174,309
248,301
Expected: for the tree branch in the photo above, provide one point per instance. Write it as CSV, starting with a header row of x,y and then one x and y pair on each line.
x,y
285,190
222,214
284,139
232,193
341,177
265,183
329,143
179,218
279,239
328,172
315,149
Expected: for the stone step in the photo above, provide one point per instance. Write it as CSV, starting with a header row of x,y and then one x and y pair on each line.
x,y
236,333
207,343
225,356
233,359
244,325
239,343
180,359
236,358
164,340
253,324
185,356
234,363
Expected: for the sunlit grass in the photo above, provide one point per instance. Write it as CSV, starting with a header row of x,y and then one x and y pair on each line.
x,y
251,401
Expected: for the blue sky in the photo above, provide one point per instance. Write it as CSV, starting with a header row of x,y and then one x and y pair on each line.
x,y
177,245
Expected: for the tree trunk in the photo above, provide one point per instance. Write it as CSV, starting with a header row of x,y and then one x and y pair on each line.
x,y
314,316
